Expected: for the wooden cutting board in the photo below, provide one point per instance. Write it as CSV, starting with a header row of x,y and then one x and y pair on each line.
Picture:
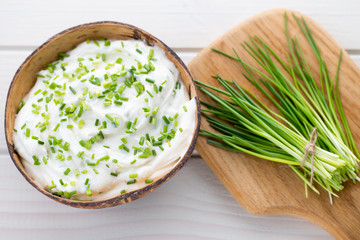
x,y
269,188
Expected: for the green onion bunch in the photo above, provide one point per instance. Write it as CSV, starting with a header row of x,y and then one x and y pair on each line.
x,y
247,125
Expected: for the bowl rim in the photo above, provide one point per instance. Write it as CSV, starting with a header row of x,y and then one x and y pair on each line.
x,y
128,196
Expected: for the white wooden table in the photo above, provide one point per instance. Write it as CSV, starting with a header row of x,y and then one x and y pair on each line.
x,y
192,205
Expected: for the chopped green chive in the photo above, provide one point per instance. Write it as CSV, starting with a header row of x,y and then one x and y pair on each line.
x,y
109,117
156,109
67,171
119,60
61,55
161,138
57,126
61,182
165,120
124,147
117,102
116,121
88,192
106,157
101,135
149,80
81,123
37,92
131,182
69,194
153,121
142,140
121,89
147,181
157,143
36,160
151,53
27,132
149,93
133,175
139,51
124,99
95,81
80,111
72,90
85,91
53,185
156,88
53,85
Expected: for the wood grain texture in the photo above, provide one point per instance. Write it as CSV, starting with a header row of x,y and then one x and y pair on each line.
x,y
268,188
181,24
10,60
193,204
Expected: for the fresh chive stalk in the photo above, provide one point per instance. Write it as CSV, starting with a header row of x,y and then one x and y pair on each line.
x,y
247,125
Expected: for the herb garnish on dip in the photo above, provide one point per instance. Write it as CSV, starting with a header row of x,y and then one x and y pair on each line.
x,y
107,118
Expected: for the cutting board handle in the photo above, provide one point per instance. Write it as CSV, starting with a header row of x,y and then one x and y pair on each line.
x,y
336,220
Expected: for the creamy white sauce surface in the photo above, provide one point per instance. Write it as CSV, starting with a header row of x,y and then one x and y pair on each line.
x,y
76,133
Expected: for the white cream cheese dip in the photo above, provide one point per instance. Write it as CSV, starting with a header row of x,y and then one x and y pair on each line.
x,y
107,118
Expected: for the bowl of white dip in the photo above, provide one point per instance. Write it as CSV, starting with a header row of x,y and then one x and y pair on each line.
x,y
100,115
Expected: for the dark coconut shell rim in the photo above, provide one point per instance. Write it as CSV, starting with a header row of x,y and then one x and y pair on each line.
x,y
129,196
